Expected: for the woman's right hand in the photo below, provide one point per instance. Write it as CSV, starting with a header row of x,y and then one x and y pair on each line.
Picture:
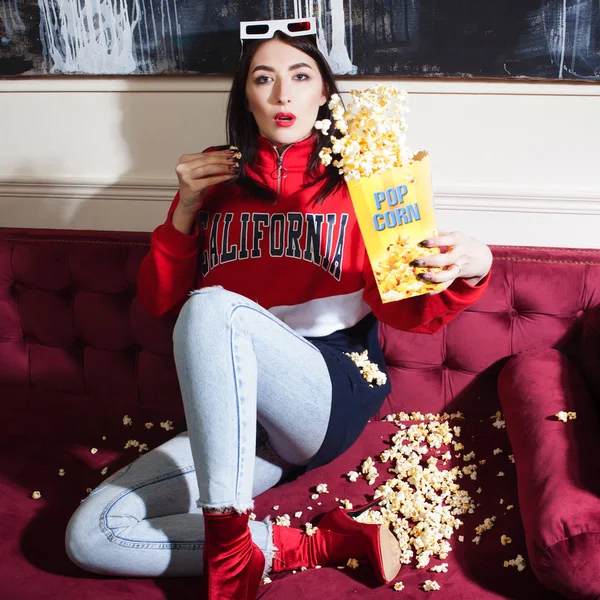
x,y
198,172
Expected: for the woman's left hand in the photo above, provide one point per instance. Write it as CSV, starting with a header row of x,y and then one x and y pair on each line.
x,y
460,256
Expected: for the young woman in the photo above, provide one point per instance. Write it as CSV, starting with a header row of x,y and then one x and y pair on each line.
x,y
283,290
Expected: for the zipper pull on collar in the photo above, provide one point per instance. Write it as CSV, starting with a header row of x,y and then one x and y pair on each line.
x,y
280,172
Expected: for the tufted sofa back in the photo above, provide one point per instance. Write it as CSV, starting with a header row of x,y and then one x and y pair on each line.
x,y
71,324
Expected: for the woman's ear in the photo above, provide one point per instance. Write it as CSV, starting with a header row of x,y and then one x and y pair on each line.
x,y
324,95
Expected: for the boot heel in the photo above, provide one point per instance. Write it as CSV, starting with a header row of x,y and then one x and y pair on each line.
x,y
390,555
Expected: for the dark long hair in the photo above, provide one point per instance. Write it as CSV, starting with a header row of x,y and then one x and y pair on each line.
x,y
242,130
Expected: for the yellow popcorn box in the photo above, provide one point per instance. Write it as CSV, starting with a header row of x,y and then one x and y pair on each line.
x,y
395,212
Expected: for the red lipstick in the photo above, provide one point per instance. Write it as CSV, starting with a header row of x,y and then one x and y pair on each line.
x,y
285,119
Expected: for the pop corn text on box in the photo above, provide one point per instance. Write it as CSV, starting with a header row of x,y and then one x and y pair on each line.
x,y
395,212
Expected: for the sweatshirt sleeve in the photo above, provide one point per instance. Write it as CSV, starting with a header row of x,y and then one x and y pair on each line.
x,y
169,270
421,314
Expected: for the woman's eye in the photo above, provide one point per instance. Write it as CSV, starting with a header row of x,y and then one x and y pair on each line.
x,y
302,76
261,79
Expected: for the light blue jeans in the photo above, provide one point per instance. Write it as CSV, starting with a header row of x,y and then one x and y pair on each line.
x,y
237,364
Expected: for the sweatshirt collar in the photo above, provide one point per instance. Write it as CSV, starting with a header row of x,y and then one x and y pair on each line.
x,y
295,156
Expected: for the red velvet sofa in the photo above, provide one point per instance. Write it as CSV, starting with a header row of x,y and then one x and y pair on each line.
x,y
78,352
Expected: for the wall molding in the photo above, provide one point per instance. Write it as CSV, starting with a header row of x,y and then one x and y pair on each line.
x,y
447,197
517,200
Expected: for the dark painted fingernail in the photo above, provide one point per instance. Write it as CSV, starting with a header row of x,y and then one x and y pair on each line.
x,y
424,243
416,263
424,276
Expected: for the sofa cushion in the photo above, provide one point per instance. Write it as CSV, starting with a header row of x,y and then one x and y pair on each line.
x,y
558,473
591,353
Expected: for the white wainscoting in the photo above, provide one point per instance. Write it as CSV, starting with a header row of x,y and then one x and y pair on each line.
x,y
514,163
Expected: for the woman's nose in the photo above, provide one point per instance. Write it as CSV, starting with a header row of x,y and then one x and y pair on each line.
x,y
282,93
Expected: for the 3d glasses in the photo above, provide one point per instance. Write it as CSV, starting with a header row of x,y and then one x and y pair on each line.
x,y
259,30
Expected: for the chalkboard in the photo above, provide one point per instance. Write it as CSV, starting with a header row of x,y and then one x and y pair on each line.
x,y
504,39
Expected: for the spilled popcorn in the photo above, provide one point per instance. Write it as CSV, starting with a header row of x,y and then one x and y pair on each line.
x,y
322,489
370,371
498,422
127,420
420,502
399,586
104,471
504,539
431,586
36,495
167,425
369,471
61,472
352,563
352,476
149,425
309,528
283,520
443,568
518,562
565,416
485,526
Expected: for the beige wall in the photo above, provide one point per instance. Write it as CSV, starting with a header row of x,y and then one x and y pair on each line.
x,y
513,163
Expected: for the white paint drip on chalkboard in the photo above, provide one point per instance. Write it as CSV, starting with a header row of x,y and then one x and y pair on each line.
x,y
337,56
100,37
80,39
563,38
568,28
339,59
11,19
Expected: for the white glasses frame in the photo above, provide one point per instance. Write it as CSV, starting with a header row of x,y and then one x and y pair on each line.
x,y
282,25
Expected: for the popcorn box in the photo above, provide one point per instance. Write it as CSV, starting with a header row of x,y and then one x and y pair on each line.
x,y
395,212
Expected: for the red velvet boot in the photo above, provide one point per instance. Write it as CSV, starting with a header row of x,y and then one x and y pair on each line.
x,y
233,564
378,542
338,538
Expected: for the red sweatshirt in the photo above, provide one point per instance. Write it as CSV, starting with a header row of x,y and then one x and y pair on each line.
x,y
304,262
